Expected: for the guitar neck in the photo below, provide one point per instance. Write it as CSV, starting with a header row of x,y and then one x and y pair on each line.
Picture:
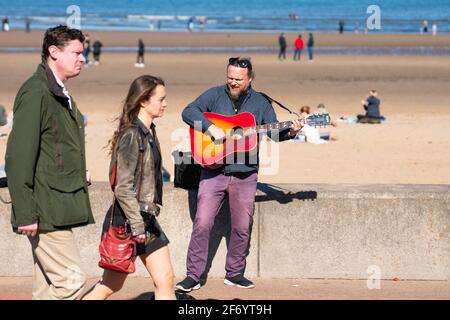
x,y
267,127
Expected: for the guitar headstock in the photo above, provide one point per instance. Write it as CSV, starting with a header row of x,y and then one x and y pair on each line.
x,y
318,120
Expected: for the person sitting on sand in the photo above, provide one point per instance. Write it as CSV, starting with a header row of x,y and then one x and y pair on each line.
x,y
321,109
5,121
3,116
311,134
372,106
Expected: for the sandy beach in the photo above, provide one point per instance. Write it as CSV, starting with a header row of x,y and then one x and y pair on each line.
x,y
412,146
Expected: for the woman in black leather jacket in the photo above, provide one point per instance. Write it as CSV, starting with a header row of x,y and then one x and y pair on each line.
x,y
138,187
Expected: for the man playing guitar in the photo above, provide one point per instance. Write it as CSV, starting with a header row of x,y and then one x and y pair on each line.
x,y
238,178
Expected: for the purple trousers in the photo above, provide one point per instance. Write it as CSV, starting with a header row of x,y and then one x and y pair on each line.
x,y
214,185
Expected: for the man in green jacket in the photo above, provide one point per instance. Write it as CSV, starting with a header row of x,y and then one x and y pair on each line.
x,y
46,167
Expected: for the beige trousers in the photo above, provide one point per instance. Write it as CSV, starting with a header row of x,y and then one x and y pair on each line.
x,y
57,271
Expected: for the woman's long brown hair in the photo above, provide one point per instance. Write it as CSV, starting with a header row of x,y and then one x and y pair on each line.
x,y
141,89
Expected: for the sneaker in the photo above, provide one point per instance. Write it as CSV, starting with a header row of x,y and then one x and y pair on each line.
x,y
240,281
188,284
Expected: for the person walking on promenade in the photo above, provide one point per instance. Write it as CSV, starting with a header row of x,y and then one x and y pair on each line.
x,y
283,46
46,167
298,47
236,179
136,133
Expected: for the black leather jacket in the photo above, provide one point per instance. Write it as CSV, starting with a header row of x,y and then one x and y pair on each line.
x,y
128,171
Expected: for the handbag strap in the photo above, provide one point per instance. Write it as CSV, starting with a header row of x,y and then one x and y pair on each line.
x,y
142,148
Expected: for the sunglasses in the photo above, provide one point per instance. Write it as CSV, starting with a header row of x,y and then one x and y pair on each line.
x,y
242,63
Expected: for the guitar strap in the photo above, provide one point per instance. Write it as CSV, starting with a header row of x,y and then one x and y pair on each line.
x,y
278,103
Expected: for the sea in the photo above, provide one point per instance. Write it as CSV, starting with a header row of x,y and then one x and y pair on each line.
x,y
269,16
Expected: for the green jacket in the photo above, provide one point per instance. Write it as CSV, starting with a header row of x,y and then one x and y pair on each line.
x,y
45,157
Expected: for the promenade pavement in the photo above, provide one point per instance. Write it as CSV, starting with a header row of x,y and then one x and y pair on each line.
x,y
141,288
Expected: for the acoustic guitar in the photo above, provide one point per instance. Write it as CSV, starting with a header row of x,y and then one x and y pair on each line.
x,y
241,135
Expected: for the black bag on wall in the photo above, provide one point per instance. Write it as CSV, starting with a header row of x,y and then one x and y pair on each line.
x,y
186,171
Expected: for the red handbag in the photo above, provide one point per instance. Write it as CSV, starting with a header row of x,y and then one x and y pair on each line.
x,y
117,247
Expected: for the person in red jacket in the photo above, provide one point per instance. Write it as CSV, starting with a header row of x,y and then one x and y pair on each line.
x,y
298,47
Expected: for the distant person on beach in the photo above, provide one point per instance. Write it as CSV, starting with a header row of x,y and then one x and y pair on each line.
x,y
138,188
97,46
434,29
5,24
87,49
236,180
5,122
372,106
356,27
46,167
201,23
298,47
321,109
310,46
27,25
311,134
3,116
341,26
283,45
190,24
293,16
425,26
140,55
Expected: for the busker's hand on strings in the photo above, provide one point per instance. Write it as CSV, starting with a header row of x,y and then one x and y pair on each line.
x,y
296,126
29,230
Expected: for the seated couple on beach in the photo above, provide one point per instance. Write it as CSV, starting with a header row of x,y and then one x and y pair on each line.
x,y
312,134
